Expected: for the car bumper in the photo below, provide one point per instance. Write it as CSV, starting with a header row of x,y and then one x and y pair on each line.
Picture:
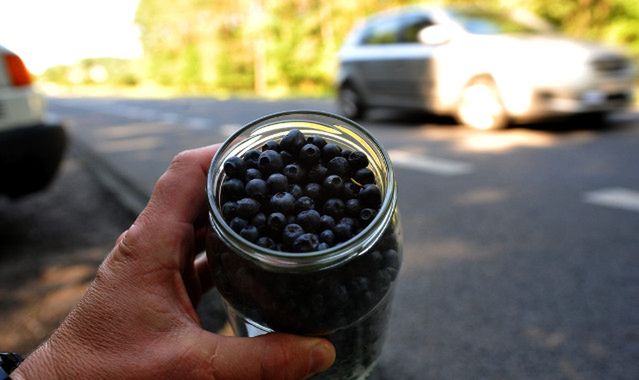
x,y
30,157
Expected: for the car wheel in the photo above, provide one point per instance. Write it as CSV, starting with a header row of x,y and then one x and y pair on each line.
x,y
480,106
350,102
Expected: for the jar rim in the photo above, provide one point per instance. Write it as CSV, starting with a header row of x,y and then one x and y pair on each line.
x,y
279,260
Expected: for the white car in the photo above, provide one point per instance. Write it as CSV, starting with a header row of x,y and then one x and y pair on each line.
x,y
485,68
30,149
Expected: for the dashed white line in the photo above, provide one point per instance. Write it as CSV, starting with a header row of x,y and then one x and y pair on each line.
x,y
428,164
616,197
198,123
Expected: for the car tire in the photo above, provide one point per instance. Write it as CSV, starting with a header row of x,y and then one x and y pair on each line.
x,y
350,102
480,106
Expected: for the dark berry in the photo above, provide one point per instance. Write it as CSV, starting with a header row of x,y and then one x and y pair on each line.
x,y
271,145
352,207
252,173
364,176
277,183
250,233
270,161
309,220
318,141
327,222
333,185
296,190
266,242
329,151
343,231
251,157
346,153
340,166
237,224
235,167
282,202
328,237
350,221
306,243
232,189
259,220
391,259
351,190
317,173
313,190
247,207
290,219
370,196
276,221
322,246
304,203
334,207
287,158
291,232
256,188
358,160
229,210
293,141
294,173
310,155
366,215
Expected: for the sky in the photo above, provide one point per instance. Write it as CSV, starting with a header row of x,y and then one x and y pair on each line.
x,y
51,32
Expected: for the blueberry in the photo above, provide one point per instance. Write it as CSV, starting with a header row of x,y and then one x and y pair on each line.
x,y
252,173
266,242
291,232
256,188
294,173
309,220
247,207
259,220
290,219
229,210
351,190
370,196
306,243
310,154
350,221
334,207
364,176
322,246
333,185
313,190
340,166
276,221
250,233
282,202
304,203
287,158
251,157
346,153
329,151
316,173
232,189
293,141
277,182
343,231
270,161
391,259
271,145
328,237
296,190
352,207
327,222
366,215
358,160
237,224
235,167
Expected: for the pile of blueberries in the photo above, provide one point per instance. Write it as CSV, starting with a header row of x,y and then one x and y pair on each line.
x,y
299,194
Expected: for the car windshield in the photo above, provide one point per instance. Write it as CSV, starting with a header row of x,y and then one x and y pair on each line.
x,y
482,22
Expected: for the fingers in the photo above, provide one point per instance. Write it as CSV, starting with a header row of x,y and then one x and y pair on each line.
x,y
272,356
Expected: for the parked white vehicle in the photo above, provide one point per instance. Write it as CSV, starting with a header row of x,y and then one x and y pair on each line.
x,y
30,149
483,67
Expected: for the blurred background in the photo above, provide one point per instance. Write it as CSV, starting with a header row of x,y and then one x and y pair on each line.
x,y
519,195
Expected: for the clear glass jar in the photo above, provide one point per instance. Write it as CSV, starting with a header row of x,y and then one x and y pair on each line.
x,y
343,293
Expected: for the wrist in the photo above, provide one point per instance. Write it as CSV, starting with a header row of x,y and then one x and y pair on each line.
x,y
43,363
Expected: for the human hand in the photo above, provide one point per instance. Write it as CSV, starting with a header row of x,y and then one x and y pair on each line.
x,y
137,319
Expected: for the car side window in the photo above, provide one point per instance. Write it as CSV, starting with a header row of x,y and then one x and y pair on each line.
x,y
410,28
381,33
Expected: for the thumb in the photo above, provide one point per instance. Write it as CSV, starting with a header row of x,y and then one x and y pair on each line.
x,y
272,356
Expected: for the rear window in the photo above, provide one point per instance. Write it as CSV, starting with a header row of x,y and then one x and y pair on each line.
x,y
410,28
481,22
380,33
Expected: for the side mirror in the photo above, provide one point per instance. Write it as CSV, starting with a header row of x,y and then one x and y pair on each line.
x,y
434,35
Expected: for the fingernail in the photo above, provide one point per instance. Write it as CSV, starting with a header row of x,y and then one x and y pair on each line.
x,y
322,356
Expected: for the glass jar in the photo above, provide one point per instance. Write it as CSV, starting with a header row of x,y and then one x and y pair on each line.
x,y
343,293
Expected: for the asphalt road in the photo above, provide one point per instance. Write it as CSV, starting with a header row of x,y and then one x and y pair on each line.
x,y
521,255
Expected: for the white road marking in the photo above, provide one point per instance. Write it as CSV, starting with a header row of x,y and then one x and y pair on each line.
x,y
427,164
198,123
616,197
